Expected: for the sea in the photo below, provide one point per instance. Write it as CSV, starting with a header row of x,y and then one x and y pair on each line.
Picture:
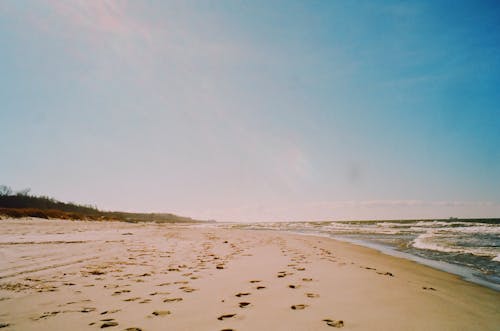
x,y
469,248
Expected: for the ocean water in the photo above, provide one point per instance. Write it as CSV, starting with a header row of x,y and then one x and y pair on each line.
x,y
469,248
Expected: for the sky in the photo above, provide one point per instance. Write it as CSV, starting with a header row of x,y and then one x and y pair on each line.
x,y
254,110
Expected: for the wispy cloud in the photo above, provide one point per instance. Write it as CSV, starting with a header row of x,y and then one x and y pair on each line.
x,y
254,111
117,21
105,16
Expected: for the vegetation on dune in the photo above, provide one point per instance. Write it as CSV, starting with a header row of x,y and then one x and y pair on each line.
x,y
40,213
22,204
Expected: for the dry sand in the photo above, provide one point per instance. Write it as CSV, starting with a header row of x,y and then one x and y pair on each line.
x,y
75,275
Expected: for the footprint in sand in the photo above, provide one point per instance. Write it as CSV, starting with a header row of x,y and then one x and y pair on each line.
x,y
161,312
244,304
187,289
87,309
298,307
386,274
293,286
225,316
132,299
47,314
120,292
242,294
307,279
172,299
133,329
156,293
334,323
108,324
4,325
163,284
260,287
255,281
312,295
110,311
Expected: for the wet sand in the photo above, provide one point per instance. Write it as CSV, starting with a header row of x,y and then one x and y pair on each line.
x,y
76,275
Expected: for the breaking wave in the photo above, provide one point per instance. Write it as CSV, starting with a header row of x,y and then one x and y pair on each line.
x,y
472,244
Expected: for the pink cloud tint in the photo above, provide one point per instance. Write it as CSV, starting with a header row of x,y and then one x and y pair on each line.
x,y
106,16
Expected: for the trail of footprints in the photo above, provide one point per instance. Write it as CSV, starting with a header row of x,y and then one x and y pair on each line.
x,y
297,260
175,279
112,276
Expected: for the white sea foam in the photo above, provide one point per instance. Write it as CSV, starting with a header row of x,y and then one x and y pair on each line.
x,y
431,224
474,246
480,229
433,240
455,237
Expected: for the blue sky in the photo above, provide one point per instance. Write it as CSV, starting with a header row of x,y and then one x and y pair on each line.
x,y
243,111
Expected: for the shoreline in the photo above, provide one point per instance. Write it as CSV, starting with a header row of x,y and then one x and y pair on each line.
x,y
186,277
476,271
453,269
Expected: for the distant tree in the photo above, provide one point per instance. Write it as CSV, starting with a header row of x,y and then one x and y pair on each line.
x,y
25,192
5,190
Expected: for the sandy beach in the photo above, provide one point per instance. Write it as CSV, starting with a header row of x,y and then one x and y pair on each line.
x,y
80,275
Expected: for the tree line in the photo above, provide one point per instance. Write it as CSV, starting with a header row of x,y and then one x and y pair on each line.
x,y
22,204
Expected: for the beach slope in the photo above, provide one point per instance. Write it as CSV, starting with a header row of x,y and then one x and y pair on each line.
x,y
79,275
